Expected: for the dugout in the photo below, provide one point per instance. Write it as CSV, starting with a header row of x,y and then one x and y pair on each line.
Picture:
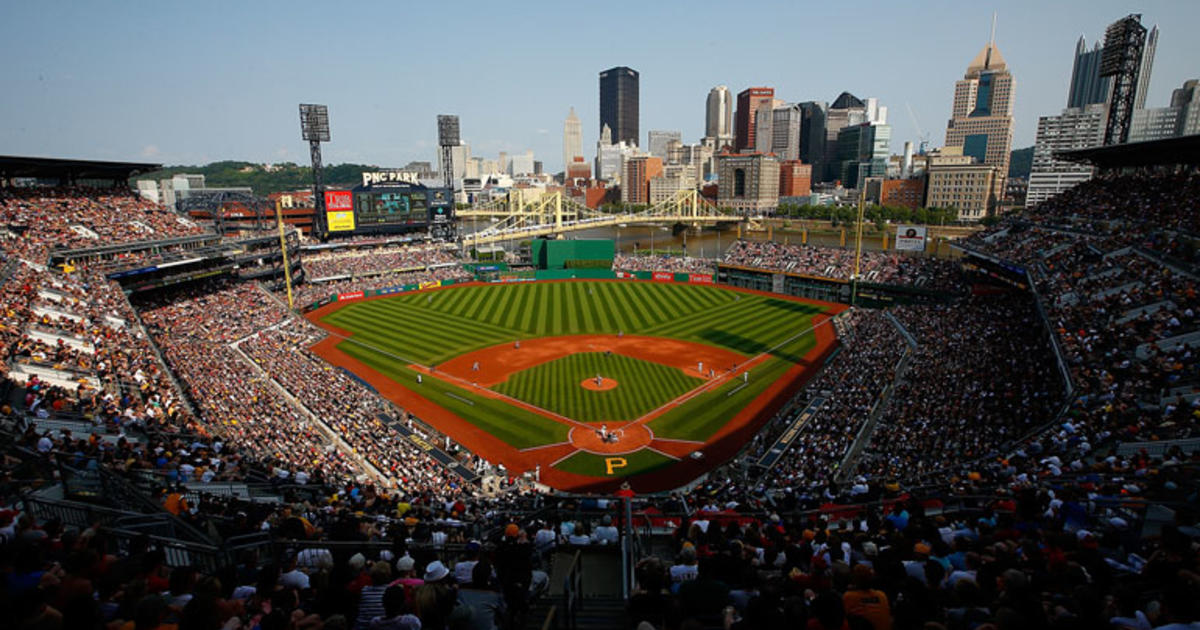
x,y
573,254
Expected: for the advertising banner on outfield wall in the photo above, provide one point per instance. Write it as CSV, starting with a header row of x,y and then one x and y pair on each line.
x,y
663,276
910,238
700,278
356,295
431,285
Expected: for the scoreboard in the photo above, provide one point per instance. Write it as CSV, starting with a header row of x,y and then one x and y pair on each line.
x,y
398,206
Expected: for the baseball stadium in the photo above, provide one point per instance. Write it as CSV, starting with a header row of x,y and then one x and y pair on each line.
x,y
776,379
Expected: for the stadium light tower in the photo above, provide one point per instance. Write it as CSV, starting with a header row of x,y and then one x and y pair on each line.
x,y
447,140
1124,43
314,127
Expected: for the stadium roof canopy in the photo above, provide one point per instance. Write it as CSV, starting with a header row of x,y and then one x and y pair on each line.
x,y
1167,152
71,170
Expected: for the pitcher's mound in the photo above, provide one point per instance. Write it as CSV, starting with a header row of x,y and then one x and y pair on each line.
x,y
605,384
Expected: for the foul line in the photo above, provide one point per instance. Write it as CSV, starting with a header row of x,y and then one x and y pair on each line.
x,y
465,384
723,380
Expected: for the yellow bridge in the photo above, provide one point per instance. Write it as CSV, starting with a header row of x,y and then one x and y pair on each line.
x,y
527,214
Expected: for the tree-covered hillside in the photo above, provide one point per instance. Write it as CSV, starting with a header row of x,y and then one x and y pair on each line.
x,y
266,179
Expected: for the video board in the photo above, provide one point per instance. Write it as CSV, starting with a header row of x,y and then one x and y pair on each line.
x,y
391,206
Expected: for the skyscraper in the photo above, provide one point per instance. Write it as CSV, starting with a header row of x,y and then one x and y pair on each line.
x,y
1139,101
718,116
981,121
656,142
777,131
619,103
812,136
572,140
1074,128
1087,86
748,102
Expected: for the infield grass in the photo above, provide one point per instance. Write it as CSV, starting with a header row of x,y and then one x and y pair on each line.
x,y
635,463
641,386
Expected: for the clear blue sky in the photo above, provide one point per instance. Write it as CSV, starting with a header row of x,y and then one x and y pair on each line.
x,y
187,83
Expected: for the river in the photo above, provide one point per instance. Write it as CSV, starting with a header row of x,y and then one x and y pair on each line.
x,y
712,243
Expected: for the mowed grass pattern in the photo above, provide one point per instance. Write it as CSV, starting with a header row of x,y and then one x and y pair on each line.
x,y
642,386
432,327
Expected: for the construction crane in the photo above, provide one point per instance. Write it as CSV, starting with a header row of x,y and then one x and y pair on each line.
x,y
924,137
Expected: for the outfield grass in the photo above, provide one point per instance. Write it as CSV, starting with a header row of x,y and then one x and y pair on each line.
x,y
431,327
641,386
637,462
703,415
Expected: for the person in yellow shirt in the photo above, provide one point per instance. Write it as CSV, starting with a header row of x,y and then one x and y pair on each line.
x,y
863,601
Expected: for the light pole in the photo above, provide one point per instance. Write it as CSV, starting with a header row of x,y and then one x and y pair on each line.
x,y
858,247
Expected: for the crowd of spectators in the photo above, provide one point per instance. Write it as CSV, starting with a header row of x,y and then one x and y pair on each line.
x,y
1029,557
849,386
39,219
310,292
348,409
838,263
1052,543
982,375
661,262
363,262
218,337
79,325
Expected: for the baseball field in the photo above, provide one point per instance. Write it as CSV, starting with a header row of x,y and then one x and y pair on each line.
x,y
588,382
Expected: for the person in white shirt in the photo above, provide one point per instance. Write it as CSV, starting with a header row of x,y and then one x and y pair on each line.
x,y
544,539
686,569
293,577
579,535
606,534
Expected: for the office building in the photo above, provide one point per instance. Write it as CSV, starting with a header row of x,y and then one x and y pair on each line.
x,y
812,135
846,110
981,121
718,116
795,178
572,140
674,178
635,181
1180,118
897,193
656,142
1139,100
578,169
1087,86
960,182
863,151
611,156
1074,128
748,103
748,183
522,164
619,103
777,131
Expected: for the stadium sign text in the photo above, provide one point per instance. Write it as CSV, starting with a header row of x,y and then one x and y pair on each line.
x,y
405,177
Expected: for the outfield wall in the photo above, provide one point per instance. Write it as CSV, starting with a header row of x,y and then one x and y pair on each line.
x,y
350,296
553,255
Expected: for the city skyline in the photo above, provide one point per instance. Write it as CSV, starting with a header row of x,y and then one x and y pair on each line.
x,y
129,83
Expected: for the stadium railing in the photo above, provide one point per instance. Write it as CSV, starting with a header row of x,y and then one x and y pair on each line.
x,y
572,592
